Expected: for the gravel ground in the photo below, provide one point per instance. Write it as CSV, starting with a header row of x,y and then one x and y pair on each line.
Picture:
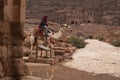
x,y
97,58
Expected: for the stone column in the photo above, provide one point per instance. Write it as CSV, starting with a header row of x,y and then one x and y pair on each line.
x,y
12,65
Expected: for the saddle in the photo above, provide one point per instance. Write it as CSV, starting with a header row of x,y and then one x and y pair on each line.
x,y
38,31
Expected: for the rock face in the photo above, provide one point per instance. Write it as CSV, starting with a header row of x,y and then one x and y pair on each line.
x,y
11,38
76,11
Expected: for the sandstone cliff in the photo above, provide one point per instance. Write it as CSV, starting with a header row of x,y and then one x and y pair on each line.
x,y
65,11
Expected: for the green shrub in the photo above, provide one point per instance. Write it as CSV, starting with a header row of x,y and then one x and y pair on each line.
x,y
100,38
77,42
116,43
89,37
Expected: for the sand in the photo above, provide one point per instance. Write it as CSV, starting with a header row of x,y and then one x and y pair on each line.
x,y
97,58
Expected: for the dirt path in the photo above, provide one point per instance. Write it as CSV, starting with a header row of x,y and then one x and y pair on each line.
x,y
98,58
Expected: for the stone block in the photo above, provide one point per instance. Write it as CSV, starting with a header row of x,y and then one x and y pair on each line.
x,y
17,52
59,52
6,66
5,38
16,32
14,67
32,58
1,70
68,45
21,66
67,55
3,52
6,78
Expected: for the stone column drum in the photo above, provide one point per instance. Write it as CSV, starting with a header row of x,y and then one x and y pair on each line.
x,y
12,17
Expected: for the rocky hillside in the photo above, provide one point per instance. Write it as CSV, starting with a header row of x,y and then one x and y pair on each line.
x,y
76,11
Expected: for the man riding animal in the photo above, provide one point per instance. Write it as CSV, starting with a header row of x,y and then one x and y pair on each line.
x,y
42,30
44,26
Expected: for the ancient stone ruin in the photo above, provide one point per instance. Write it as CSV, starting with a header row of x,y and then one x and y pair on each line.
x,y
12,17
76,11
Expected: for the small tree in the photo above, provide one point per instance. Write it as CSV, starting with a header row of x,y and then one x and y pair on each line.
x,y
116,43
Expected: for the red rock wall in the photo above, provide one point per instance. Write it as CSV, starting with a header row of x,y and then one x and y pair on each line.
x,y
64,11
